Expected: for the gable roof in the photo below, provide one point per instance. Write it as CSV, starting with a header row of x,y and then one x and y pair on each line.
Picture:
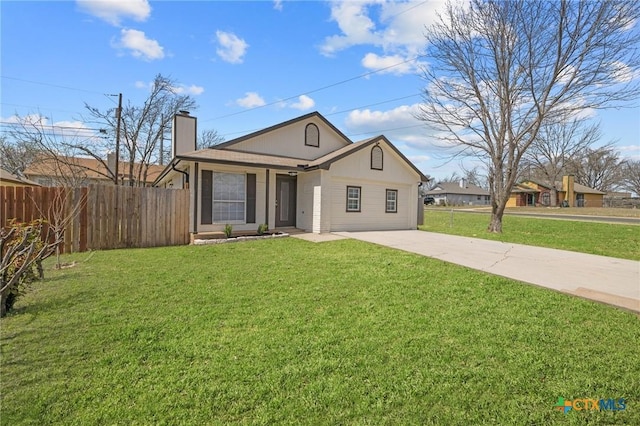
x,y
225,154
225,145
582,189
325,161
7,176
455,188
89,168
228,156
585,189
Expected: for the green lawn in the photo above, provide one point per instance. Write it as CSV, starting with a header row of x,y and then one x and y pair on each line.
x,y
605,239
290,332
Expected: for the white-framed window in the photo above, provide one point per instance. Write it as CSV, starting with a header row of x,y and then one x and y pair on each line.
x,y
391,205
353,198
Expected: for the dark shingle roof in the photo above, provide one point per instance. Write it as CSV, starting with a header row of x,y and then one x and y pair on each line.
x,y
455,188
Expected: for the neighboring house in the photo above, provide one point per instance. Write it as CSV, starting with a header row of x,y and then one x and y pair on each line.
x,y
459,193
569,193
9,179
303,173
79,171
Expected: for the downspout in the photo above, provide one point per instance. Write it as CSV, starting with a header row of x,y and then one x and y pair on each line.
x,y
186,175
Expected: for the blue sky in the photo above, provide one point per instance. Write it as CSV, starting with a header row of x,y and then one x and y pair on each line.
x,y
249,65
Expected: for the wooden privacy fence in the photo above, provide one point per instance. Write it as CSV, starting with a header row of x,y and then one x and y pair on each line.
x,y
103,217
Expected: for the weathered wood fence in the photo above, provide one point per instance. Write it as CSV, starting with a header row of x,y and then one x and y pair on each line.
x,y
103,217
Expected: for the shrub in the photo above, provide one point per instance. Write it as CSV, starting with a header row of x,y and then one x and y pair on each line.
x,y
228,230
22,250
262,228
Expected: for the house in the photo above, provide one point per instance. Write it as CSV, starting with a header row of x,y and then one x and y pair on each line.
x,y
459,193
302,173
81,171
569,193
9,179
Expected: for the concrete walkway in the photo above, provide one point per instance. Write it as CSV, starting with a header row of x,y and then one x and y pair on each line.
x,y
604,279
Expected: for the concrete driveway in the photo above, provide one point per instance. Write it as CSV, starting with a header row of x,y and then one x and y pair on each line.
x,y
604,279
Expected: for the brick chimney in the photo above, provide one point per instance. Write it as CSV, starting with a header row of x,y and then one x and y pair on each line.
x,y
568,182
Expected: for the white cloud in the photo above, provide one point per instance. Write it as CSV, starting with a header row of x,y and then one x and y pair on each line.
x,y
251,100
189,90
354,23
231,48
57,129
304,103
419,158
139,45
113,11
378,121
392,64
277,4
179,89
622,73
394,26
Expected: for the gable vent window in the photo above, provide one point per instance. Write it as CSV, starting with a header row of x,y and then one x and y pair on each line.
x,y
312,135
376,158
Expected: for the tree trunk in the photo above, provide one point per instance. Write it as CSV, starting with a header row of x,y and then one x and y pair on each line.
x,y
3,303
495,225
553,195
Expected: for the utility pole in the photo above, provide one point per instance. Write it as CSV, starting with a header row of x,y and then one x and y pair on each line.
x,y
162,139
118,117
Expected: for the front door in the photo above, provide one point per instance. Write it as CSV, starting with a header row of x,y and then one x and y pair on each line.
x,y
285,201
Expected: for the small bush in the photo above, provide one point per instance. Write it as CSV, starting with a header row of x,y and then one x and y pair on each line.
x,y
262,228
22,250
228,230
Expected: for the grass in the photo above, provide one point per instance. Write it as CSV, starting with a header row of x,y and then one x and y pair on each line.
x,y
578,211
288,332
605,239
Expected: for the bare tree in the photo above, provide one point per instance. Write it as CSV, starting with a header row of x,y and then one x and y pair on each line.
x,y
22,247
56,150
600,168
209,139
16,156
555,147
631,176
500,69
453,177
143,127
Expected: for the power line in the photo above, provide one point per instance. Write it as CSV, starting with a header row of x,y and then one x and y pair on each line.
x,y
51,85
246,132
50,126
370,105
367,74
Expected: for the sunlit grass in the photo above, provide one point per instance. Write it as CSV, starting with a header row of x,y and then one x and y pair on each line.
x,y
286,331
606,239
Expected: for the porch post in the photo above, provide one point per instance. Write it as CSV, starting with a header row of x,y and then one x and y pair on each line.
x,y
266,197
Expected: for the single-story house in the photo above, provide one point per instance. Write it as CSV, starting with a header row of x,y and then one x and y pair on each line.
x,y
302,173
569,193
82,171
459,193
9,179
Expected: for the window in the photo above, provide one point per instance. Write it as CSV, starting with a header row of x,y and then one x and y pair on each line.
x,y
312,135
223,197
392,201
546,199
353,198
376,158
